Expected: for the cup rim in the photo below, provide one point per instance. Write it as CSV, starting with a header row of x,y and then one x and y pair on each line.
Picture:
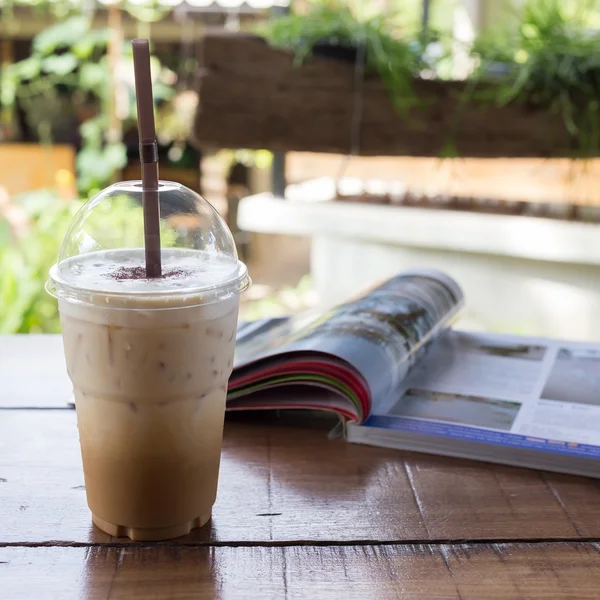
x,y
60,289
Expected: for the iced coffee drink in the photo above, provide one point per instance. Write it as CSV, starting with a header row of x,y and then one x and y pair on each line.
x,y
149,360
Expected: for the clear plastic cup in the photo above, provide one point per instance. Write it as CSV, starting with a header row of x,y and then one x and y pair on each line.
x,y
149,359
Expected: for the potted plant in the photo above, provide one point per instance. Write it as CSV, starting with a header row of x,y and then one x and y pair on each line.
x,y
548,61
331,81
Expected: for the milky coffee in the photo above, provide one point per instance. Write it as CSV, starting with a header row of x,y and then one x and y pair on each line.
x,y
149,361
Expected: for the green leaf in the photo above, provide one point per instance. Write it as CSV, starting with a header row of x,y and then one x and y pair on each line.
x,y
62,64
29,68
90,167
393,57
62,35
8,91
92,130
115,155
84,47
16,291
96,166
93,76
162,91
24,264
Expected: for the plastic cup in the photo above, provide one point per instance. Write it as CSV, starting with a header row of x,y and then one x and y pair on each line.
x,y
149,359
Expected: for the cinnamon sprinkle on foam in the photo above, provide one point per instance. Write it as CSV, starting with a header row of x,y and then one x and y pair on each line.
x,y
123,273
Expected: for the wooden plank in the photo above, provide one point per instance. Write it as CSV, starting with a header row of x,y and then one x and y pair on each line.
x,y
285,483
33,372
579,503
512,179
254,96
26,167
446,572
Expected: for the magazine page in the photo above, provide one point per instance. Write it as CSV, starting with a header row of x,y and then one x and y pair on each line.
x,y
528,393
381,334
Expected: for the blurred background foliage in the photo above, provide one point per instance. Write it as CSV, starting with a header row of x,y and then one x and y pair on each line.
x,y
548,57
67,81
30,236
545,52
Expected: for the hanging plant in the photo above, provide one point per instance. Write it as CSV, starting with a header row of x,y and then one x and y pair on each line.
x,y
335,31
550,61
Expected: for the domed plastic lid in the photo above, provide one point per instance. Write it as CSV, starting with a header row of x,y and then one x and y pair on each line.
x,y
103,249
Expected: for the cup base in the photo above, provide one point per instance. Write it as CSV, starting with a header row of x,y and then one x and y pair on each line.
x,y
151,534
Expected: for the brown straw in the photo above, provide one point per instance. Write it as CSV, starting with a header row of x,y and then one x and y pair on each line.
x,y
148,156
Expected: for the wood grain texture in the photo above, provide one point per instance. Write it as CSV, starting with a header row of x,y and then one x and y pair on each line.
x,y
254,96
290,484
445,572
298,516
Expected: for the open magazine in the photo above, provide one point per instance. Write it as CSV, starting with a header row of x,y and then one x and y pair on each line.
x,y
361,350
390,365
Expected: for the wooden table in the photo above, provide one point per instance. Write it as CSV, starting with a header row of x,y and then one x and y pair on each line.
x,y
298,516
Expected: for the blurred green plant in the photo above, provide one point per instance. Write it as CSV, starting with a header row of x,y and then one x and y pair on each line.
x,y
68,70
116,222
397,59
68,60
26,254
31,233
548,57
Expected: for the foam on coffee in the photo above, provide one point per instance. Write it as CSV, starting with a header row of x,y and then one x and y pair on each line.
x,y
122,271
